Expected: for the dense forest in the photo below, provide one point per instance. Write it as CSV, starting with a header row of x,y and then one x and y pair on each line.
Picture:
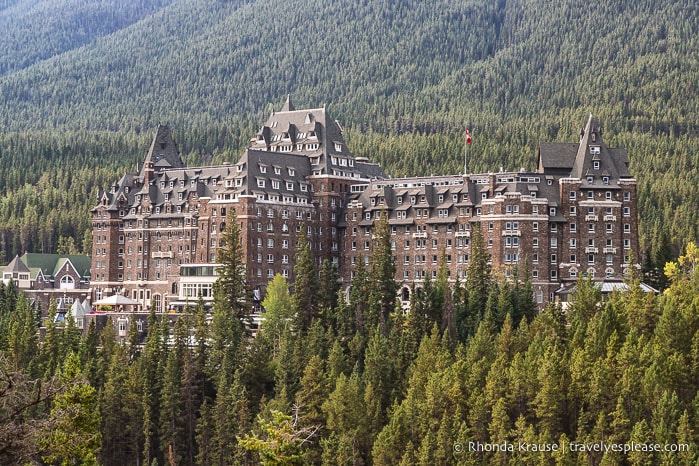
x,y
352,379
82,84
336,379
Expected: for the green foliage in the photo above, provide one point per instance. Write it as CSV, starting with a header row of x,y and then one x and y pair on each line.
x,y
74,436
305,283
279,441
600,371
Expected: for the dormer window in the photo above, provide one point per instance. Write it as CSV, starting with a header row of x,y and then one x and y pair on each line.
x,y
263,168
338,147
605,179
162,185
595,164
292,172
590,180
594,150
277,170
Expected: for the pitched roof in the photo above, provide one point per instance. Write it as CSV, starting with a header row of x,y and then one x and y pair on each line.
x,y
16,266
553,155
163,152
50,264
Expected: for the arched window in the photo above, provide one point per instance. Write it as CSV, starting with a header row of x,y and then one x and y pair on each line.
x,y
157,303
539,296
405,294
67,282
174,288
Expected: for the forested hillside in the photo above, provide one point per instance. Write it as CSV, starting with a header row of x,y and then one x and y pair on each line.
x,y
402,77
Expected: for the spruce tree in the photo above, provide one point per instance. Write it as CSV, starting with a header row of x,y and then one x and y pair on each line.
x,y
382,286
305,284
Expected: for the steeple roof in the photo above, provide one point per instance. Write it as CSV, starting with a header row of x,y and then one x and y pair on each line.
x,y
288,106
16,266
163,151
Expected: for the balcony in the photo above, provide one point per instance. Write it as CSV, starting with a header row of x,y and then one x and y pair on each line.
x,y
610,218
591,218
463,234
163,255
591,250
420,234
511,233
609,250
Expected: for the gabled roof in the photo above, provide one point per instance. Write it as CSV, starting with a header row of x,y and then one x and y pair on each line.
x,y
49,264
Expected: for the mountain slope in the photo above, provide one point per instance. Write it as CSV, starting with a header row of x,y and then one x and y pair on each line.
x,y
34,30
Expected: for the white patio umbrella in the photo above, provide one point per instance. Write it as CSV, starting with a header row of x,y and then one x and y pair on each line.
x,y
116,300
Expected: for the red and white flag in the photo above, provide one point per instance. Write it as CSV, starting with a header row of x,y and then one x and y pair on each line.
x,y
468,136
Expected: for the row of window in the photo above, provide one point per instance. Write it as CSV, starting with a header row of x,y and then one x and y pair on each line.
x,y
275,184
277,169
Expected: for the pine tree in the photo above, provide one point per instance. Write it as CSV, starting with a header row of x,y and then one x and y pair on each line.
x,y
312,394
346,442
328,289
152,355
114,399
382,286
51,346
231,292
305,284
74,436
232,302
477,285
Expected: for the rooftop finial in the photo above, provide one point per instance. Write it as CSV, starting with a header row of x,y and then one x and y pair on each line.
x,y
288,106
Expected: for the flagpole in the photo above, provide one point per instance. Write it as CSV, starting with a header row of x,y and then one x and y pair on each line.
x,y
467,142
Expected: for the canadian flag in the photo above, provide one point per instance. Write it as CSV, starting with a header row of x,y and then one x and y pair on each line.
x,y
468,136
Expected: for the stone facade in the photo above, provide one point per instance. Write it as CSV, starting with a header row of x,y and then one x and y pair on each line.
x,y
576,214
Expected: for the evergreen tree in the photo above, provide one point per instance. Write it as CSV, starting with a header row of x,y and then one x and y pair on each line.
x,y
305,284
172,410
312,394
74,436
382,286
232,302
328,288
51,346
477,285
